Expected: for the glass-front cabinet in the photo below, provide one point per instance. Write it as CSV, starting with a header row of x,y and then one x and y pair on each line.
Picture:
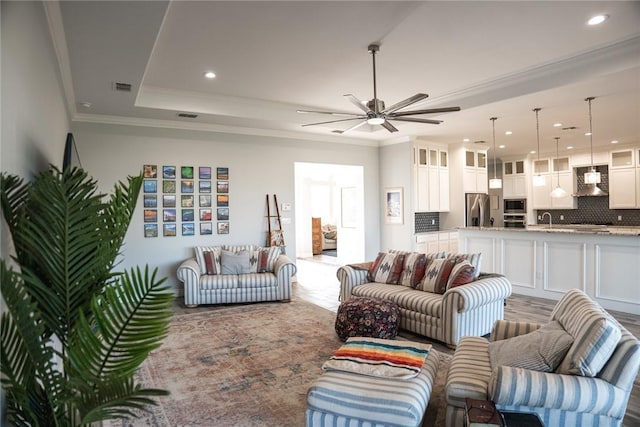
x,y
432,178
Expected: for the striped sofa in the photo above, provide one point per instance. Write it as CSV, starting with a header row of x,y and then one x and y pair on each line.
x,y
559,399
203,288
461,311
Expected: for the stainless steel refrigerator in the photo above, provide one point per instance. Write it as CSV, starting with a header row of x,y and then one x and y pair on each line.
x,y
477,209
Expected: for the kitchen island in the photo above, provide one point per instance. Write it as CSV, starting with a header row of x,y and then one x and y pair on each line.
x,y
546,262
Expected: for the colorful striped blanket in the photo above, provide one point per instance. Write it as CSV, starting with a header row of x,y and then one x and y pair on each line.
x,y
379,358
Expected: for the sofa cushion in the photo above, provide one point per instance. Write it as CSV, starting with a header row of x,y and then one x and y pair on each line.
x,y
421,302
461,274
541,350
474,259
263,260
596,334
437,275
379,290
413,270
218,281
235,262
257,280
386,268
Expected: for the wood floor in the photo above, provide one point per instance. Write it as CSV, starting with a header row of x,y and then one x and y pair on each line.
x,y
317,283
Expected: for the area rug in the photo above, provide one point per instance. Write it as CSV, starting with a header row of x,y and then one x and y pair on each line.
x,y
245,365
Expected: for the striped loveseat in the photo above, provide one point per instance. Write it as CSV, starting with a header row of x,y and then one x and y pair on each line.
x,y
590,386
267,278
460,311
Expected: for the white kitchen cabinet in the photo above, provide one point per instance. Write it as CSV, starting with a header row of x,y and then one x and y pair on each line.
x,y
554,170
437,241
514,179
584,159
474,173
622,159
432,179
623,191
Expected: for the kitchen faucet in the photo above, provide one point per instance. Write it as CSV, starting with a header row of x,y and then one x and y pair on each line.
x,y
547,213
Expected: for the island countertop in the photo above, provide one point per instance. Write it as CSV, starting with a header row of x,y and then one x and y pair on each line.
x,y
567,228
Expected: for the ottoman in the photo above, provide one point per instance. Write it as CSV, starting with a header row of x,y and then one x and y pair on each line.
x,y
342,398
367,317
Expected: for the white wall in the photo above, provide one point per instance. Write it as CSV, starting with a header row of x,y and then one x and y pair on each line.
x,y
257,166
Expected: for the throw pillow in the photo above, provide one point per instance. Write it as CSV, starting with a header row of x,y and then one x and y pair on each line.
x,y
437,275
199,253
212,262
474,259
541,350
413,270
263,260
235,262
461,274
386,268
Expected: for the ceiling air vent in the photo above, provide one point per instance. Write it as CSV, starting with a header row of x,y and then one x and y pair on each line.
x,y
187,115
480,142
122,87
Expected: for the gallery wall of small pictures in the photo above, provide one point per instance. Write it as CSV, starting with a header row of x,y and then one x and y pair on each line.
x,y
187,199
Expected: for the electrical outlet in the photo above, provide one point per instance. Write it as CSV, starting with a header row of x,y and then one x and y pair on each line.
x,y
539,216
433,222
619,217
561,217
286,207
286,220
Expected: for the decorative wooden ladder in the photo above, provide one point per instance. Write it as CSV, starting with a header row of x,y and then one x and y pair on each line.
x,y
275,236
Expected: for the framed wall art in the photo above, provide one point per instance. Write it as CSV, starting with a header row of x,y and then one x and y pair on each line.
x,y
168,186
204,186
188,229
205,214
150,185
150,215
188,215
150,171
223,228
205,200
186,185
223,214
186,172
150,201
222,173
204,172
223,187
168,172
222,200
151,230
168,200
206,228
187,201
393,206
168,230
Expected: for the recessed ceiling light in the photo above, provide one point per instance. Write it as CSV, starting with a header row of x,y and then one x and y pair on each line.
x,y
615,141
569,147
587,134
508,132
598,19
466,140
532,152
209,74
86,104
557,125
501,146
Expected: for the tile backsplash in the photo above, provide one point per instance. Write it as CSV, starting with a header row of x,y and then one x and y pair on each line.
x,y
593,210
426,221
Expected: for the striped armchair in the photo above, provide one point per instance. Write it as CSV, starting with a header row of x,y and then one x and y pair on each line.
x,y
598,397
464,310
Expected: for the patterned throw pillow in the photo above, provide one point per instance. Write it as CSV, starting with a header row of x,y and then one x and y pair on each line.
x,y
413,271
386,268
474,259
212,262
263,260
461,274
437,275
200,259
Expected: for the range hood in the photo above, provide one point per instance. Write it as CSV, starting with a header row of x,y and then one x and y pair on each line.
x,y
591,190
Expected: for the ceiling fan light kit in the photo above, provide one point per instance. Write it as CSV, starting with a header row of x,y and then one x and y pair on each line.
x,y
495,182
376,113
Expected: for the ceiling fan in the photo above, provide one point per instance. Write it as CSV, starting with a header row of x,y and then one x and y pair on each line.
x,y
375,112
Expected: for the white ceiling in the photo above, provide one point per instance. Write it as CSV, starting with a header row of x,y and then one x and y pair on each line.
x,y
271,58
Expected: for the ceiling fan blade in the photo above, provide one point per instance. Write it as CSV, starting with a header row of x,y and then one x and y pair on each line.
x,y
333,113
415,98
412,119
342,132
334,121
427,111
388,126
355,101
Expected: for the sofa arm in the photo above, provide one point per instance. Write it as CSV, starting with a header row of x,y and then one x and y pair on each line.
x,y
503,329
478,293
189,274
284,269
511,387
352,275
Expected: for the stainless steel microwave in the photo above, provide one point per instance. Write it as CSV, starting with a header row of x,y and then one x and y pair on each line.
x,y
518,206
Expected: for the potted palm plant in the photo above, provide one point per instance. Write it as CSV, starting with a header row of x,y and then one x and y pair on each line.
x,y
73,329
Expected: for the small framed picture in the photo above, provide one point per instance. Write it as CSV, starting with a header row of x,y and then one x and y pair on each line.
x,y
205,228
150,171
186,186
204,172
186,172
223,228
393,206
222,173
222,200
168,186
186,201
150,201
150,185
168,230
223,214
168,172
205,200
223,186
151,230
188,215
205,214
150,215
169,215
205,186
168,200
188,229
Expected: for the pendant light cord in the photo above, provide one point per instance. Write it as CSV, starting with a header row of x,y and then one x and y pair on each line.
x,y
493,119
591,98
557,159
537,131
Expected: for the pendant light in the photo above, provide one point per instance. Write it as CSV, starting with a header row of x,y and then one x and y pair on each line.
x,y
558,192
538,180
495,182
591,177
